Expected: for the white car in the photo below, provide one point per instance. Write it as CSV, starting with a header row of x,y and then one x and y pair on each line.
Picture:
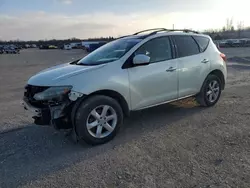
x,y
67,47
94,94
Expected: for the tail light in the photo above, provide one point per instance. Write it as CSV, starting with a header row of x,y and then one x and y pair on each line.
x,y
223,56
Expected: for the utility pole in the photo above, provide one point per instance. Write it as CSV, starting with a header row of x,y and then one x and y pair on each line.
x,y
173,26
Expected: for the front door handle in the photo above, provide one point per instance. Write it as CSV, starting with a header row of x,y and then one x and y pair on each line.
x,y
205,61
171,69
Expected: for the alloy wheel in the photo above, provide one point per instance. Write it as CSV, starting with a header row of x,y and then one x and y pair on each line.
x,y
101,121
213,91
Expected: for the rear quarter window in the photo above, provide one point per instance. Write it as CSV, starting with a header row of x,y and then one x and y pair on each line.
x,y
202,42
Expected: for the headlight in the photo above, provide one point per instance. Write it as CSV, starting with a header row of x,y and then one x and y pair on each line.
x,y
52,93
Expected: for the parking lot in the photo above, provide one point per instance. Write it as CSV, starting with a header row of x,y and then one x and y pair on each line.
x,y
174,145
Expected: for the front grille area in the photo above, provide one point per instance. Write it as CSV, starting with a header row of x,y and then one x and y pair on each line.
x,y
29,93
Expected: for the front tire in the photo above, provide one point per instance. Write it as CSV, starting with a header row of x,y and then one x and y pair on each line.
x,y
210,91
98,119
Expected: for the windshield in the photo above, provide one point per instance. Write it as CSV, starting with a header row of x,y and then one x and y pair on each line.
x,y
109,52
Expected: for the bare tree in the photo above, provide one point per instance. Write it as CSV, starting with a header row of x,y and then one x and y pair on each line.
x,y
240,27
229,24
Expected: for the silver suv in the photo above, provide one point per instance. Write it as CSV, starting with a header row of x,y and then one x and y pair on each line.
x,y
149,68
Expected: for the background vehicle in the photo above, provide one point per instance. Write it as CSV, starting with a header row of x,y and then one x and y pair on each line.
x,y
43,47
129,74
244,42
67,47
33,46
235,43
1,50
11,50
224,44
46,47
52,47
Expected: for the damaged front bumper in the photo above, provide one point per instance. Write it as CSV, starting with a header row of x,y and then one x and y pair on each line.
x,y
41,116
55,113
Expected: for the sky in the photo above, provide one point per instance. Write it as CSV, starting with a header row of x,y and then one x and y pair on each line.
x,y
62,19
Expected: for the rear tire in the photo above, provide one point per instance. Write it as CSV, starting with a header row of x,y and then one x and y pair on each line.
x,y
98,119
210,91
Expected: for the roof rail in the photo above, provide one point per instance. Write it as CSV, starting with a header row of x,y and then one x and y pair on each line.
x,y
184,30
155,30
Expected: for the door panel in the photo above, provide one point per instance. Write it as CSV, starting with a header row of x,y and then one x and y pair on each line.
x,y
193,65
192,72
156,82
153,84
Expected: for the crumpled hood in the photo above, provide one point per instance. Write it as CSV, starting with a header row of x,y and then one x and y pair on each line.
x,y
51,76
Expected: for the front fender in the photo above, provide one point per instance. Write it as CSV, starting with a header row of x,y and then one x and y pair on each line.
x,y
109,77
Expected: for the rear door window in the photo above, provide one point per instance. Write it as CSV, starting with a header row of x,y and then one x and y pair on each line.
x,y
186,45
202,41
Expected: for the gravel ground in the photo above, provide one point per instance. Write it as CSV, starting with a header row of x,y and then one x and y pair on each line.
x,y
240,52
174,145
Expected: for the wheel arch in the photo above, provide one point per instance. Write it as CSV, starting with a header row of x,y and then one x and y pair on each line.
x,y
110,93
220,75
117,96
217,73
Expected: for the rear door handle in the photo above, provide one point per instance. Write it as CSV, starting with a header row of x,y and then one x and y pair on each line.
x,y
205,61
171,69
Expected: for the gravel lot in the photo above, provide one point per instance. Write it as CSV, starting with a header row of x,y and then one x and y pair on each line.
x,y
240,52
174,145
